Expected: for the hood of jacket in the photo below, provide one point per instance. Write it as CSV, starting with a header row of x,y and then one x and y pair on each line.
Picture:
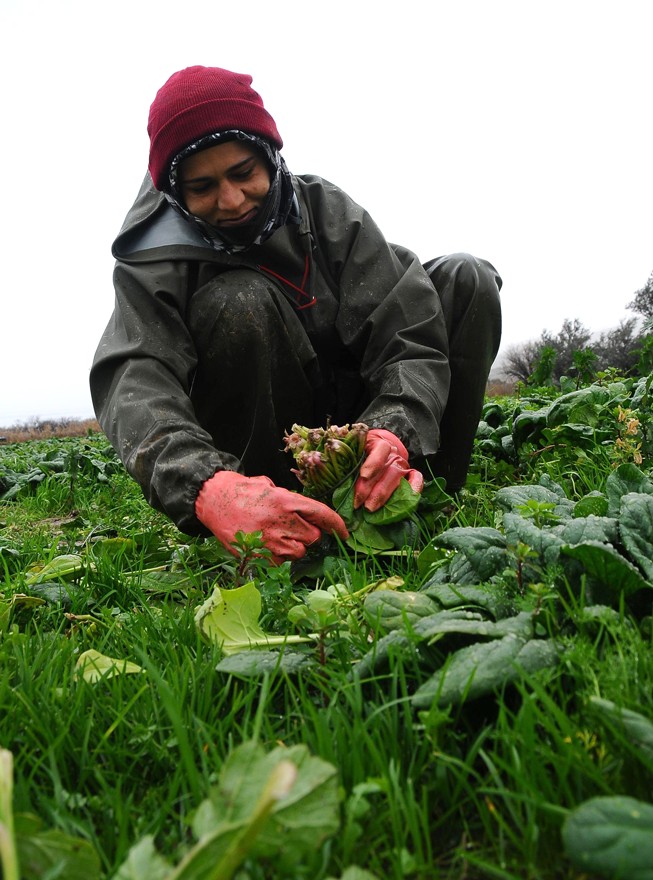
x,y
279,207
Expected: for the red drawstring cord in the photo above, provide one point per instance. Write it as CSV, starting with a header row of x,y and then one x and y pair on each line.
x,y
299,290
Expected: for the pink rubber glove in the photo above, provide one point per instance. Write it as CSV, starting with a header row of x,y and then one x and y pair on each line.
x,y
229,502
384,466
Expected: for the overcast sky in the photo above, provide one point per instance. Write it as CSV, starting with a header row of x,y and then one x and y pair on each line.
x,y
518,131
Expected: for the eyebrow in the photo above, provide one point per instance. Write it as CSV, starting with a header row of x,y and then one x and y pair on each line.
x,y
237,167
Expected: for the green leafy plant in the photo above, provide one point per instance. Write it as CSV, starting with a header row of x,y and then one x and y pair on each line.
x,y
328,462
476,689
542,371
584,361
278,806
612,837
28,852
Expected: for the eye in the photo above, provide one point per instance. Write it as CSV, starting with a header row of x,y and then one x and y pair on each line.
x,y
196,188
245,171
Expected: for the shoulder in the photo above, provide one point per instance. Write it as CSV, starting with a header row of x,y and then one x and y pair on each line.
x,y
321,194
331,217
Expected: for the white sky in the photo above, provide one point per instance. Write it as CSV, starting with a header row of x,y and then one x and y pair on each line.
x,y
516,130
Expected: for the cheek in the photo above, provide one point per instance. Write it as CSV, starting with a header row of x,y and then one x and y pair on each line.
x,y
197,205
262,185
259,184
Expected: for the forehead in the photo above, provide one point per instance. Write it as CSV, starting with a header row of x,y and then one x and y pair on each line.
x,y
217,159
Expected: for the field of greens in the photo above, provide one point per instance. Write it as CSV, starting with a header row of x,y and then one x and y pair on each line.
x,y
471,697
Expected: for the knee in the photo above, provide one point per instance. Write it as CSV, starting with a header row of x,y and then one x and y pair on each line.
x,y
235,296
468,288
467,272
234,302
462,279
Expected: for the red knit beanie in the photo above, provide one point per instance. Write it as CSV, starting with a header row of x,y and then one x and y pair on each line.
x,y
199,101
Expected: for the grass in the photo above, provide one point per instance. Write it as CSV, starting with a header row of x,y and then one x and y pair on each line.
x,y
47,429
478,789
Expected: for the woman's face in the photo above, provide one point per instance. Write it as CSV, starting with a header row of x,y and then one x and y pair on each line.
x,y
225,185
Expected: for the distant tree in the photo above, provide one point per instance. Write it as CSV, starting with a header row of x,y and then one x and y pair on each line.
x,y
643,301
572,337
568,353
519,360
619,347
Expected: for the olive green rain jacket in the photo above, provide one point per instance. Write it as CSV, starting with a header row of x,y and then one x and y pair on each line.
x,y
376,314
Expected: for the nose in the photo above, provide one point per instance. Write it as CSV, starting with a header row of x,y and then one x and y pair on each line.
x,y
230,196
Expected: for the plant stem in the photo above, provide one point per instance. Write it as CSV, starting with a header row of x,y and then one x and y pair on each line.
x,y
8,854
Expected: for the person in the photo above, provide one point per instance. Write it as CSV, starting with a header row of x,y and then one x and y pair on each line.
x,y
249,299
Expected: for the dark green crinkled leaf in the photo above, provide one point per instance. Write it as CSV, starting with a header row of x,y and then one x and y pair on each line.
x,y
392,608
637,728
528,425
402,534
543,541
549,483
490,446
508,446
251,664
582,407
470,623
461,571
431,558
493,414
612,836
592,504
606,565
393,644
480,669
620,389
511,498
593,617
641,390
626,478
11,484
636,528
434,495
457,570
588,528
484,548
58,593
460,595
580,436
470,538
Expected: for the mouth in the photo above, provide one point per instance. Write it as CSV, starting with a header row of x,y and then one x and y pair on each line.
x,y
242,220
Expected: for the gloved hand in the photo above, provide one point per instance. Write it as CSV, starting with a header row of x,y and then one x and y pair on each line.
x,y
384,466
229,502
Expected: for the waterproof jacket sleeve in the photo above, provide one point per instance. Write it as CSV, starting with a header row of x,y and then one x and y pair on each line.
x,y
140,384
